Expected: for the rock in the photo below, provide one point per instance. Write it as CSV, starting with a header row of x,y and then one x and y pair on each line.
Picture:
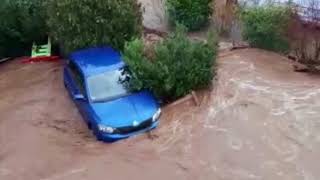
x,y
292,57
5,59
225,46
301,68
317,69
195,98
240,45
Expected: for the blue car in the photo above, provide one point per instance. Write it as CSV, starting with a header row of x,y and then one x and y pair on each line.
x,y
95,79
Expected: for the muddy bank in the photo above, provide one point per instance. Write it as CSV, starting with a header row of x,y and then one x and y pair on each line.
x,y
261,121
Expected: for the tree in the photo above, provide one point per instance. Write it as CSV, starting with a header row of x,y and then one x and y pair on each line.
x,y
82,23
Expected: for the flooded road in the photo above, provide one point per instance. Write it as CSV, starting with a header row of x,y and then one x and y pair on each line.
x,y
260,121
264,120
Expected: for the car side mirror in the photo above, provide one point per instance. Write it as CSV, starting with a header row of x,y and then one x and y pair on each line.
x,y
79,97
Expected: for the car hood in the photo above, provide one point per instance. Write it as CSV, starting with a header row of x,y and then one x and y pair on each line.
x,y
124,111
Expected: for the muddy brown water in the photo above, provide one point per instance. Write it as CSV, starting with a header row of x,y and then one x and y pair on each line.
x,y
261,121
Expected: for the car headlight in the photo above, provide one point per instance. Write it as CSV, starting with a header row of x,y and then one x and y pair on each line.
x,y
106,129
156,116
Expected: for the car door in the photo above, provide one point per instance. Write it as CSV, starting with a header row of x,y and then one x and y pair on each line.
x,y
76,86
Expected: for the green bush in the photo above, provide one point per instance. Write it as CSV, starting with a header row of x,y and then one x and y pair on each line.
x,y
177,66
21,23
265,27
191,13
81,23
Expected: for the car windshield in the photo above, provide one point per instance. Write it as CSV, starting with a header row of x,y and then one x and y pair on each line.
x,y
108,85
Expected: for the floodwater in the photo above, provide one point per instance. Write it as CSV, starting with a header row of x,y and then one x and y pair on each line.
x,y
260,121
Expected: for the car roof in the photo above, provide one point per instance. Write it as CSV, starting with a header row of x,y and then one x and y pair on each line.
x,y
97,60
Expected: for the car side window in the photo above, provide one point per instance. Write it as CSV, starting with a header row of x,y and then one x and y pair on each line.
x,y
77,77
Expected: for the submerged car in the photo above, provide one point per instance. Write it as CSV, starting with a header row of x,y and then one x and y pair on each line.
x,y
95,79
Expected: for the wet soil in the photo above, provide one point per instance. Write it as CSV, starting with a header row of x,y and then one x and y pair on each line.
x,y
260,121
